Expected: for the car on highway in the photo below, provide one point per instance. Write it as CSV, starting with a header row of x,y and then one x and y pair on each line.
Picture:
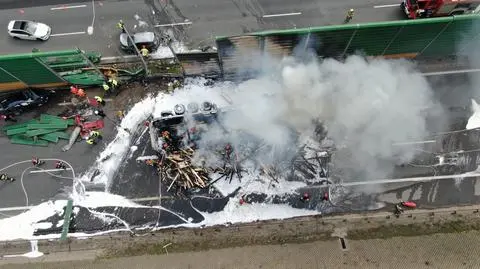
x,y
29,30
148,39
20,101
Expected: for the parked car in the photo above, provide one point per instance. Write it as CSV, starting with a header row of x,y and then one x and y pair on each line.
x,y
148,39
20,101
29,30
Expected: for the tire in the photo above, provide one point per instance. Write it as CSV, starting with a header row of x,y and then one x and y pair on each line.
x,y
16,37
39,39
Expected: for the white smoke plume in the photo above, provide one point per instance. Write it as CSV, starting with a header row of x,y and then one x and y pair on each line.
x,y
366,105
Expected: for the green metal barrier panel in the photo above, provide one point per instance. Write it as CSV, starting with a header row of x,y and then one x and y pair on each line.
x,y
49,69
423,38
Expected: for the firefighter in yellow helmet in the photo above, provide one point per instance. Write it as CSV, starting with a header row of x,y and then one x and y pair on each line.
x,y
93,137
144,51
349,16
113,82
106,87
121,26
99,100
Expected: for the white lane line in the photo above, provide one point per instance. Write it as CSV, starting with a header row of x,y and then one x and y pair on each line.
x,y
173,24
282,15
383,6
65,34
67,7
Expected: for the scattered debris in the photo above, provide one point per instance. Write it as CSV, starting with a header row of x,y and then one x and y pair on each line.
x,y
38,132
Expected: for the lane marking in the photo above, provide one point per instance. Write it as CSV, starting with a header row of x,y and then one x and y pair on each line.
x,y
173,24
65,34
383,6
67,7
282,15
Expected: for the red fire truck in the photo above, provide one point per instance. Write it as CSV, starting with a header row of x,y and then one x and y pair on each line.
x,y
439,8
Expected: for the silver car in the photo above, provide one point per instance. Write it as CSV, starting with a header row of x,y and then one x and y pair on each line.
x,y
29,30
148,39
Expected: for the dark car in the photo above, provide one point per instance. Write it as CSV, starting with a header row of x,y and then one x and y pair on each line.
x,y
148,39
18,102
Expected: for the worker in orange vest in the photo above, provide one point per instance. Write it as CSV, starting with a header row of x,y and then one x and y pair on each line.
x,y
73,90
77,91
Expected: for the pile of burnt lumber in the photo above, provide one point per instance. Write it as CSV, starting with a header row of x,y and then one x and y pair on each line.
x,y
176,169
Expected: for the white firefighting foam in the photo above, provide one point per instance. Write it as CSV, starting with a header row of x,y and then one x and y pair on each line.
x,y
474,120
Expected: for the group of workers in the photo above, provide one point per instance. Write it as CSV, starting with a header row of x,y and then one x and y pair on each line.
x,y
36,162
110,85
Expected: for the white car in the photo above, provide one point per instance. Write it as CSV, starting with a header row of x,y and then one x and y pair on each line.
x,y
29,30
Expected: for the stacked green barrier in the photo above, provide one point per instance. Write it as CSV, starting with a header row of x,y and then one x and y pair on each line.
x,y
39,132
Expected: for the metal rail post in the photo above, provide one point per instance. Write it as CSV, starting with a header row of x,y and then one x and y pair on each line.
x,y
307,41
435,38
350,41
90,63
393,39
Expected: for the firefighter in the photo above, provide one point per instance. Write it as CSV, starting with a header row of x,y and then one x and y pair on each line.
x,y
349,16
144,51
112,83
121,26
8,117
73,90
305,197
5,177
326,197
100,113
60,165
151,162
106,87
99,100
37,162
94,137
398,209
120,114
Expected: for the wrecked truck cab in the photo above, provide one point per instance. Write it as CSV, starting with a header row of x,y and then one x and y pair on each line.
x,y
179,117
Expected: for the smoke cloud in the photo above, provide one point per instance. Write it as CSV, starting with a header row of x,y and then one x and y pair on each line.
x,y
366,107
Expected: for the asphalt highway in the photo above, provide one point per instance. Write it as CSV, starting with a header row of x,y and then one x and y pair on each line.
x,y
194,22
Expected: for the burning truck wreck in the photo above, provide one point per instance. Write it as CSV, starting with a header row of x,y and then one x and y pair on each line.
x,y
198,148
